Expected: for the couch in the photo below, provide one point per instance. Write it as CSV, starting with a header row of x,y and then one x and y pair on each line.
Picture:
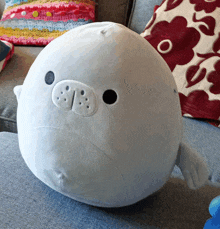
x,y
25,202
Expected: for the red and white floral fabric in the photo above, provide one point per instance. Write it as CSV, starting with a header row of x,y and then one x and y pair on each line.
x,y
186,33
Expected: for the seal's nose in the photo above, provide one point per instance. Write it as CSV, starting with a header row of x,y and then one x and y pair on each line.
x,y
75,96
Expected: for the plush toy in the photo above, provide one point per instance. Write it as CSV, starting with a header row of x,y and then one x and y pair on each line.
x,y
214,209
99,118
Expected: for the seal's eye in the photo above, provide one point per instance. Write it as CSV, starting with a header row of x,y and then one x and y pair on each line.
x,y
49,78
109,96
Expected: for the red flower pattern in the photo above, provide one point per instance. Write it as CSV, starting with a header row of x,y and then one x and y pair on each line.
x,y
174,41
199,105
177,36
214,77
207,5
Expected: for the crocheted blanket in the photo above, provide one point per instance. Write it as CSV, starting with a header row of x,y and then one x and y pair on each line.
x,y
38,22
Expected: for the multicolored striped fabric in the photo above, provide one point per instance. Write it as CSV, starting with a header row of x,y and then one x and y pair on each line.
x,y
38,22
6,52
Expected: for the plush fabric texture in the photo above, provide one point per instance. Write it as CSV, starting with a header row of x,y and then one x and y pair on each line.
x,y
38,22
25,200
73,119
186,33
6,52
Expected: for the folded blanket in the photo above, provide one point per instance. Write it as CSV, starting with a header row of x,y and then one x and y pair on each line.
x,y
186,33
38,22
6,52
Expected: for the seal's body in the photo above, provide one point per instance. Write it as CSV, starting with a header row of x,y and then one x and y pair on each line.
x,y
99,116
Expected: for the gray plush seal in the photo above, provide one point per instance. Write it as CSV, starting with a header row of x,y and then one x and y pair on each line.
x,y
99,118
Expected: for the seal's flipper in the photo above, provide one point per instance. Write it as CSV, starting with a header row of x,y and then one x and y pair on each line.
x,y
17,91
193,166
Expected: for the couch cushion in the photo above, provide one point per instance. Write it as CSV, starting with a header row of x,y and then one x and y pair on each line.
x,y
141,13
14,74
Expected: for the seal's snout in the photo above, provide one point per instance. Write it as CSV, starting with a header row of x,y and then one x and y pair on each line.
x,y
75,96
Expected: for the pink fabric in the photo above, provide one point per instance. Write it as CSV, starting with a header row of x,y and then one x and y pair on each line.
x,y
28,41
70,11
186,33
